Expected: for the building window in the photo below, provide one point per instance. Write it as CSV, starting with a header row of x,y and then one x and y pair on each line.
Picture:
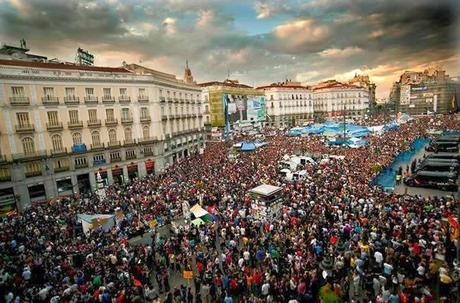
x,y
115,156
112,136
70,91
48,91
28,146
130,154
57,142
89,91
128,134
17,91
73,115
76,138
123,91
109,114
33,169
96,138
146,132
80,161
23,119
99,158
92,115
61,163
53,118
125,114
144,112
107,92
142,92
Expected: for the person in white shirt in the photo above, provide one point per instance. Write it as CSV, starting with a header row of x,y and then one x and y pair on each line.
x,y
378,258
265,289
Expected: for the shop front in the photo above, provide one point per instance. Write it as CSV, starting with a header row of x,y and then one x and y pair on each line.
x,y
103,172
84,185
37,193
117,174
132,171
7,201
150,166
64,186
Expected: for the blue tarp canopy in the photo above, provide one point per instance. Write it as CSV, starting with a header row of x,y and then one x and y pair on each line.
x,y
336,141
356,142
248,146
331,129
392,125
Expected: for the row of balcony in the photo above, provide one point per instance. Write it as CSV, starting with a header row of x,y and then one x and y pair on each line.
x,y
74,100
39,172
178,100
183,132
93,148
56,126
180,116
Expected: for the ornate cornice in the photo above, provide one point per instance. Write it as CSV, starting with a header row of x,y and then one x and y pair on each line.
x,y
111,80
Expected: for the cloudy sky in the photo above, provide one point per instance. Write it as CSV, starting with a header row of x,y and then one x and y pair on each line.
x,y
259,42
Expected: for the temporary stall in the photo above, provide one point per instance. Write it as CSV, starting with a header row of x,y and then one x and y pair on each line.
x,y
248,146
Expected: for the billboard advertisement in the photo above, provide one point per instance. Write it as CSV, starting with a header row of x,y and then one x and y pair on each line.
x,y
243,108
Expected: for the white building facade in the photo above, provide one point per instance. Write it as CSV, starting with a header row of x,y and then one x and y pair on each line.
x,y
335,100
288,104
62,124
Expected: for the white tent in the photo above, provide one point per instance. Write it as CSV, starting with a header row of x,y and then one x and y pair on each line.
x,y
90,222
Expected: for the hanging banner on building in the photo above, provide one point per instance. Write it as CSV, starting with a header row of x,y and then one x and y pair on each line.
x,y
243,108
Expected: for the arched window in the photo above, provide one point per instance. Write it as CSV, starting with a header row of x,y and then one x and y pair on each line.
x,y
28,145
76,138
128,134
96,138
112,136
146,131
57,142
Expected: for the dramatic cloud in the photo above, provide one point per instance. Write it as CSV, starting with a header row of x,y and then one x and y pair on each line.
x,y
340,53
300,33
259,42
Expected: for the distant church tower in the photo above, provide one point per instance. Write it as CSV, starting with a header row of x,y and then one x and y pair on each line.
x,y
188,78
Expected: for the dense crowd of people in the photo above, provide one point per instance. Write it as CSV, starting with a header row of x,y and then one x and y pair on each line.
x,y
337,238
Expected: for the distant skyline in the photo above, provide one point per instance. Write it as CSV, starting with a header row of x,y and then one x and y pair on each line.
x,y
259,42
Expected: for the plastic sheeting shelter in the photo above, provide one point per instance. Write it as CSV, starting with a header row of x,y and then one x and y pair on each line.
x,y
331,129
356,142
90,222
248,146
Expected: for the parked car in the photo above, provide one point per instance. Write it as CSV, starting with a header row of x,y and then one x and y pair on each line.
x,y
437,180
442,147
438,167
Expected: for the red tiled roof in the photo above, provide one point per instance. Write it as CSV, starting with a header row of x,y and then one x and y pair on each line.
x,y
276,85
64,66
333,84
226,83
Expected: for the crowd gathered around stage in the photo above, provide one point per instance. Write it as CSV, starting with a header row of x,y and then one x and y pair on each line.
x,y
337,238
